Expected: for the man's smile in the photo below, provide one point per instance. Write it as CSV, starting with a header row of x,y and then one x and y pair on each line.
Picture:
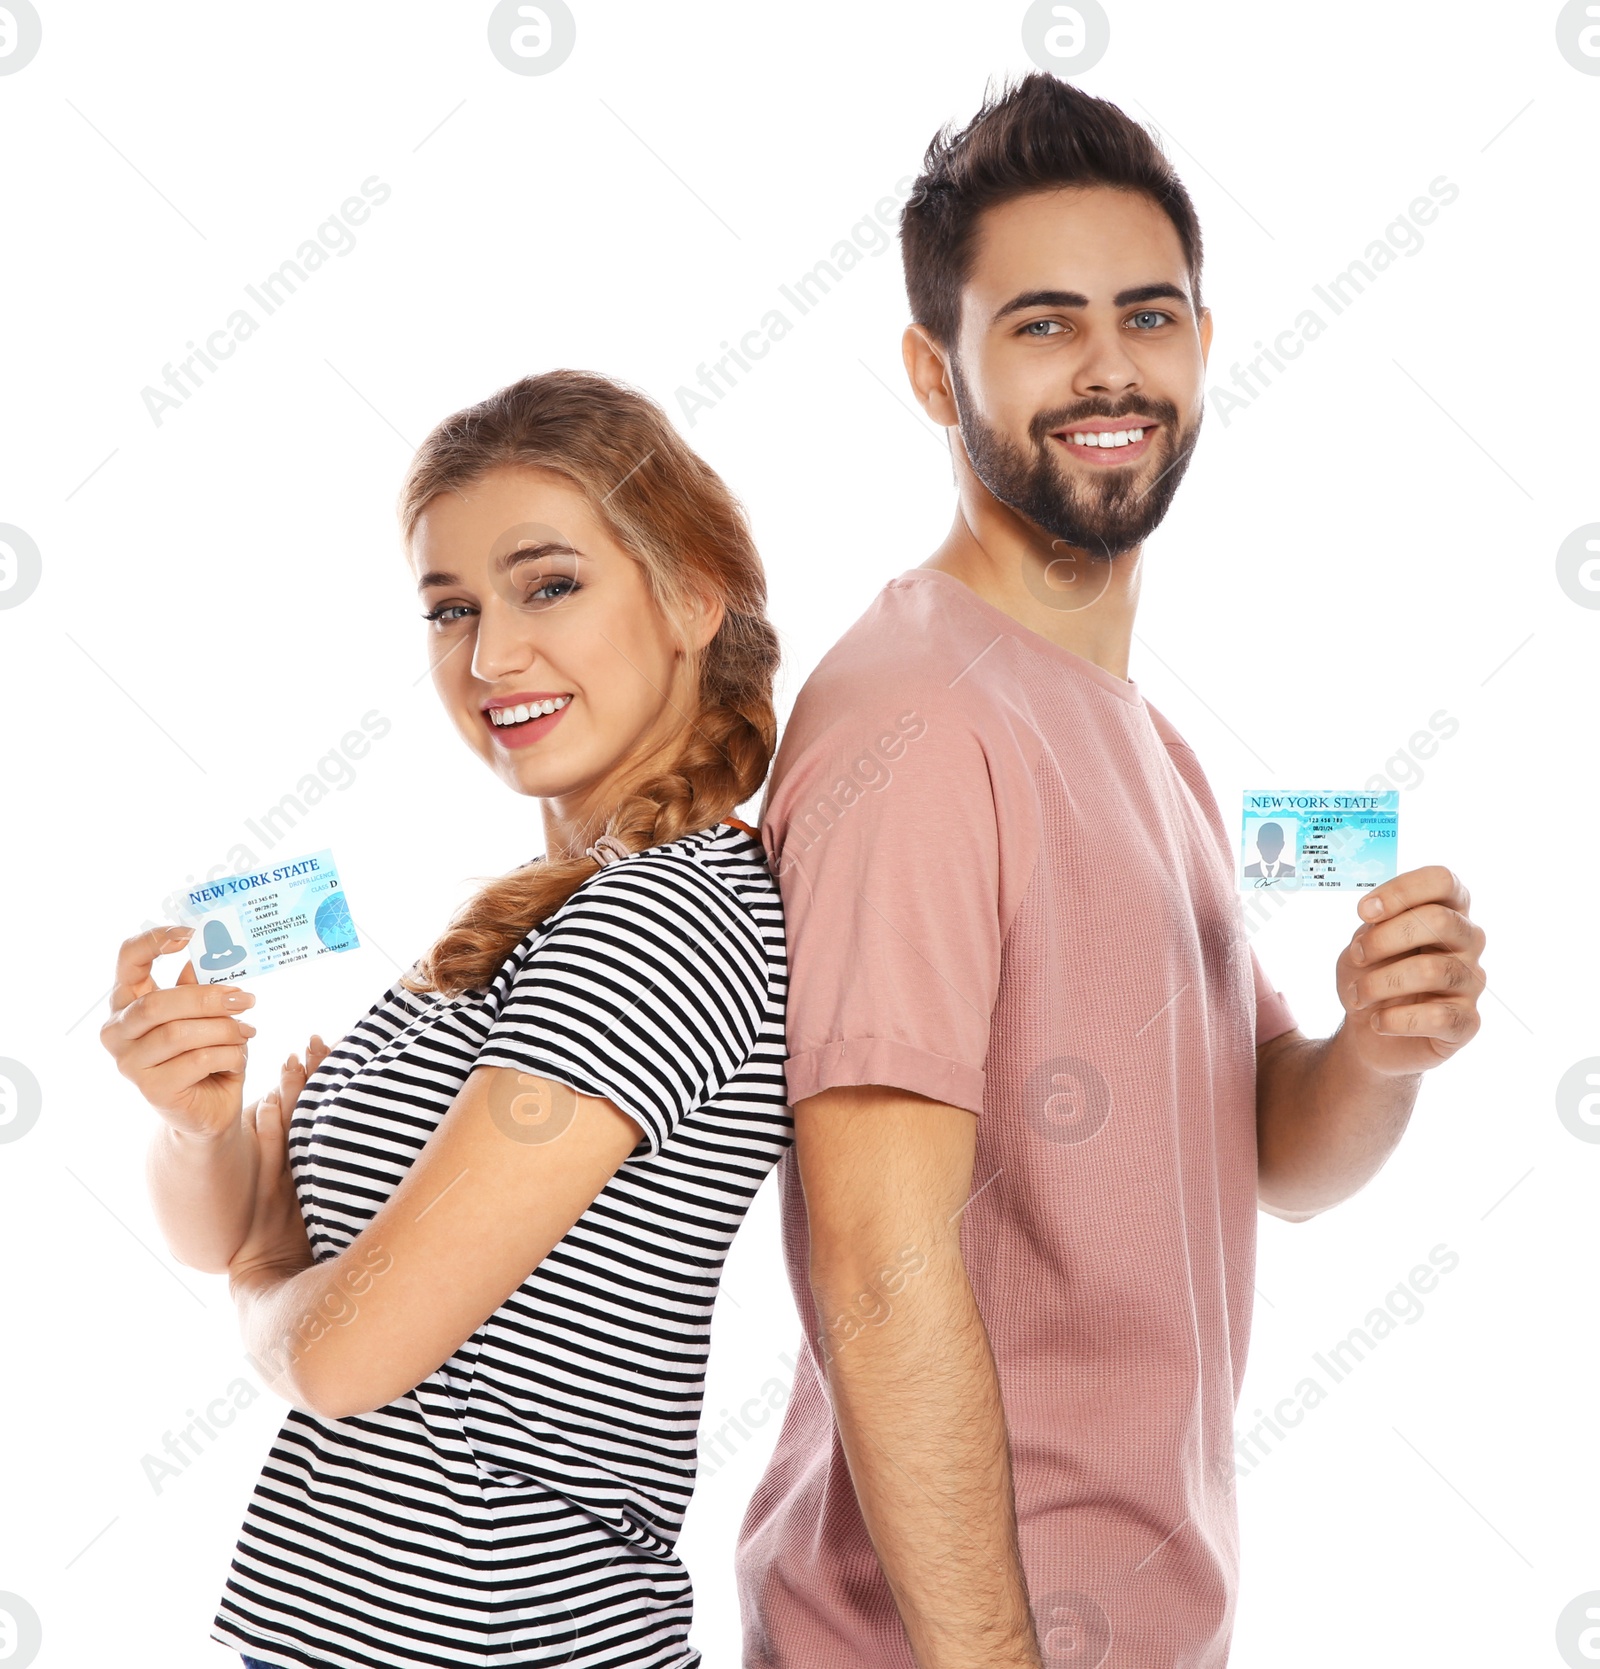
x,y
1104,441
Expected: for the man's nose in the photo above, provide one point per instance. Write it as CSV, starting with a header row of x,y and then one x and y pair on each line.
x,y
1106,367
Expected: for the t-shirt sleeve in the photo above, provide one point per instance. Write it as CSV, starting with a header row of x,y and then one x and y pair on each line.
x,y
1273,1014
647,990
883,835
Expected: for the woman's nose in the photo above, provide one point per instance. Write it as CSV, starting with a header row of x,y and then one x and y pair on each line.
x,y
505,642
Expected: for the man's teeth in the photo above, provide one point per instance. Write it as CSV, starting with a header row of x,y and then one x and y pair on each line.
x,y
1108,437
529,710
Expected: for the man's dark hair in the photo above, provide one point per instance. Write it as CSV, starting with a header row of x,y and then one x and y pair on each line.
x,y
1039,135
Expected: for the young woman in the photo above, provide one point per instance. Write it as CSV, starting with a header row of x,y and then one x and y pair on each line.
x,y
477,1247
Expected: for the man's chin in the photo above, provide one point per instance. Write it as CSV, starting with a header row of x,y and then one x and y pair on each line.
x,y
1096,547
1095,527
1099,537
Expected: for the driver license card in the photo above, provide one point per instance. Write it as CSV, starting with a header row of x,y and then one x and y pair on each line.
x,y
1340,840
253,924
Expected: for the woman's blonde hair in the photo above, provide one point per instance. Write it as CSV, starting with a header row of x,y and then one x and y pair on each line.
x,y
674,516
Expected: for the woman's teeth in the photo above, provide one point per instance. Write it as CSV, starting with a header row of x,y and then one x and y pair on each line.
x,y
529,710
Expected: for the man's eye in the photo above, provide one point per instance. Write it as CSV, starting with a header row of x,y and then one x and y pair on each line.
x,y
1040,327
1150,319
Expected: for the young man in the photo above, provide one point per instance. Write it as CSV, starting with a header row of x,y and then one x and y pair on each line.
x,y
1040,1082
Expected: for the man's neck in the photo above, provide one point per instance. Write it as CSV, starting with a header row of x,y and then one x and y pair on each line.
x,y
1078,603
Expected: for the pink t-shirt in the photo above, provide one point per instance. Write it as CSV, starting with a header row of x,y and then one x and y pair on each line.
x,y
1007,886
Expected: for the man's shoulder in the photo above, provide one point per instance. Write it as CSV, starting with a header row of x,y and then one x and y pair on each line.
x,y
880,706
903,653
1166,729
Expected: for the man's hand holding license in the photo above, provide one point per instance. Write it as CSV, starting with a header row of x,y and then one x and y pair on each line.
x,y
1329,1111
1410,977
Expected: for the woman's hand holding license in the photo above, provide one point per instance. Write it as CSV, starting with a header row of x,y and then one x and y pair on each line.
x,y
183,1046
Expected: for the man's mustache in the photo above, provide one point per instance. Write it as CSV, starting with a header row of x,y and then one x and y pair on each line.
x,y
1063,417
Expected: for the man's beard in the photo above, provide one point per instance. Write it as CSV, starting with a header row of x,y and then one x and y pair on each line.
x,y
1102,516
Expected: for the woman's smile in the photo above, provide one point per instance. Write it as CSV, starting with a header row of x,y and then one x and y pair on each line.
x,y
522,718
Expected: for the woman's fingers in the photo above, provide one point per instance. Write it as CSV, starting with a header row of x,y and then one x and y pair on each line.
x,y
291,1081
316,1053
272,1138
162,1005
136,957
182,1046
169,1040
165,1085
173,1039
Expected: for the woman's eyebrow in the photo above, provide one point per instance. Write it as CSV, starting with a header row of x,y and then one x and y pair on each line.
x,y
507,559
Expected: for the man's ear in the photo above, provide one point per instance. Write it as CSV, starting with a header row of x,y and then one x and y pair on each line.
x,y
1205,335
929,373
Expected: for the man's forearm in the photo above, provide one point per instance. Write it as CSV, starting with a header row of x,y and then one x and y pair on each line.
x,y
1325,1123
920,1418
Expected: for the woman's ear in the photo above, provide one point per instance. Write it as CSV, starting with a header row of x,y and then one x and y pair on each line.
x,y
703,613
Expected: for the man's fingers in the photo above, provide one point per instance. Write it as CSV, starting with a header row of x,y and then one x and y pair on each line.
x,y
1429,972
1432,884
1445,1021
1424,925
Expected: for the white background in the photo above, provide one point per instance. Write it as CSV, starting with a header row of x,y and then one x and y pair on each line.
x,y
1370,542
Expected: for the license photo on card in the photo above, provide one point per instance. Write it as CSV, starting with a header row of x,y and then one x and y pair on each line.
x,y
253,924
1336,840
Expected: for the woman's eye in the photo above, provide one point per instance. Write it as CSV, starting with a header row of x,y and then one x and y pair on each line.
x,y
1149,320
438,616
551,590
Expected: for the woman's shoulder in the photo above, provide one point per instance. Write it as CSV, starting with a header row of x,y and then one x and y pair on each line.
x,y
725,860
712,883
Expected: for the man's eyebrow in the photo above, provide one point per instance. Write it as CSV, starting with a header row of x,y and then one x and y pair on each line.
x,y
507,559
1150,292
1073,298
1040,298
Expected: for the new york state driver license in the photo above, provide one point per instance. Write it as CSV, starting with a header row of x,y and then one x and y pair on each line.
x,y
1334,840
246,925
